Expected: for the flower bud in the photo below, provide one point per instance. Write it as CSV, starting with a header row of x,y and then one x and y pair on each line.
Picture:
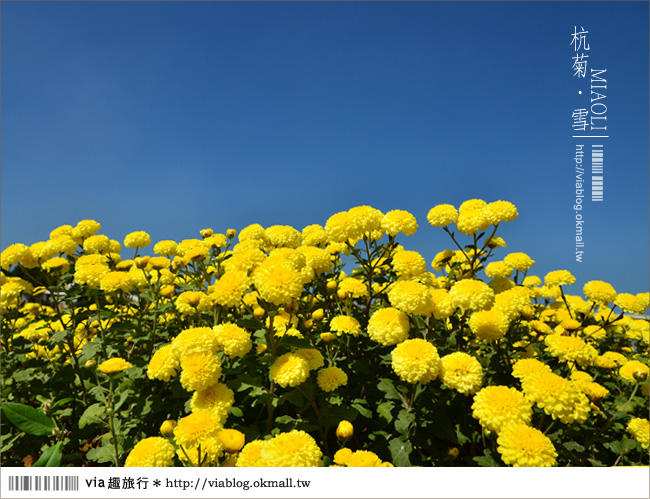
x,y
178,263
345,430
640,376
231,233
233,440
260,349
206,233
332,285
453,452
90,364
343,295
318,315
167,291
167,428
259,312
308,324
327,338
141,262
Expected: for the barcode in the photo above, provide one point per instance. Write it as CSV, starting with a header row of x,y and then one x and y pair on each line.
x,y
597,169
43,483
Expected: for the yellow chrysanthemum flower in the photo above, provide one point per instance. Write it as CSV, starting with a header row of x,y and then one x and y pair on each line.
x,y
411,297
199,371
192,303
290,369
56,265
498,406
368,220
599,292
639,428
314,358
388,326
314,235
151,452
396,221
278,283
293,449
570,349
461,372
499,269
195,340
504,211
330,378
353,288
442,215
166,248
191,430
415,361
138,239
114,365
522,445
164,364
344,324
280,236
470,294
557,396
522,262
630,303
409,264
489,324
250,455
471,221
217,399
233,340
230,288
13,254
559,278
342,227
634,371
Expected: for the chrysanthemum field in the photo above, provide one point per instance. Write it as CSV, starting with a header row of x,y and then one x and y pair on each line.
x,y
330,346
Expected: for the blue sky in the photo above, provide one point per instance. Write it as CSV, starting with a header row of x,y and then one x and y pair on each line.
x,y
172,117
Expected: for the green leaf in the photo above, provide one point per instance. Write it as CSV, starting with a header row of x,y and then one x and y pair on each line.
x,y
237,412
400,451
58,337
386,385
384,410
101,455
485,461
92,415
62,402
364,411
28,419
123,396
629,444
89,351
404,420
51,457
24,375
573,446
615,447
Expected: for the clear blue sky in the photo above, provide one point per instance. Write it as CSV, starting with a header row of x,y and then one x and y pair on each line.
x,y
172,117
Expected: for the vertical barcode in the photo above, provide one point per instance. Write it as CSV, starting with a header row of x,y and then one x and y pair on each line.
x,y
597,170
20,483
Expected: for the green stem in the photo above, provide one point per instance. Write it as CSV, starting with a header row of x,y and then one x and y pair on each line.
x,y
111,422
